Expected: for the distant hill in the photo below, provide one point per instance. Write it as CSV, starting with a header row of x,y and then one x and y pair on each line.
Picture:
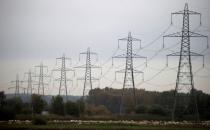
x,y
47,98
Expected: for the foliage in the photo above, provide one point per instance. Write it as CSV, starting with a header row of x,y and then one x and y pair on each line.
x,y
39,120
149,102
141,109
81,106
2,98
157,110
9,107
72,108
26,109
57,105
7,113
37,103
97,110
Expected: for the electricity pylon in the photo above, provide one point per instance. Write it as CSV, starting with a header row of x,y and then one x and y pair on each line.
x,y
29,81
41,76
88,70
129,69
185,74
63,78
17,85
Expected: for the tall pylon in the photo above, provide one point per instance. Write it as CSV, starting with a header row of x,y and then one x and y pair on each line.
x,y
184,82
29,81
129,69
88,70
17,85
63,77
41,76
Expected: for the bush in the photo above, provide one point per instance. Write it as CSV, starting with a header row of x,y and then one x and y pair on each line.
x,y
97,110
7,113
157,110
38,103
57,105
141,109
72,108
39,121
27,109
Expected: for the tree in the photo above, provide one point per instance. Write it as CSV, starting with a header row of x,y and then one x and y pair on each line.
x,y
15,104
57,105
2,98
7,110
157,110
38,103
141,109
81,106
97,110
72,108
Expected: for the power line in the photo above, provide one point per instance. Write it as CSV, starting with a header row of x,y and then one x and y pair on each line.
x,y
185,74
63,75
88,70
129,70
17,86
41,77
29,81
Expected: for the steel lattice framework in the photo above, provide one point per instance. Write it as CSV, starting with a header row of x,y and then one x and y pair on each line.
x,y
63,75
184,82
29,81
41,76
17,85
88,68
129,69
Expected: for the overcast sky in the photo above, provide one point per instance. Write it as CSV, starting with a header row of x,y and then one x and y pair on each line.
x,y
34,31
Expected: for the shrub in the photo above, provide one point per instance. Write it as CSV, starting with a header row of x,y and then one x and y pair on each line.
x,y
39,121
72,108
97,110
157,110
38,103
57,105
7,113
141,109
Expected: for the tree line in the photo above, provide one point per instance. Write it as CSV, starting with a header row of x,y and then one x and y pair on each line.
x,y
107,102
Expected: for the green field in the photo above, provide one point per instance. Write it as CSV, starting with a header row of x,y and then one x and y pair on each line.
x,y
99,126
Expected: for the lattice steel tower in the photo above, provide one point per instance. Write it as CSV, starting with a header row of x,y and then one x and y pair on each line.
x,y
17,85
88,70
41,84
184,82
29,82
129,69
63,75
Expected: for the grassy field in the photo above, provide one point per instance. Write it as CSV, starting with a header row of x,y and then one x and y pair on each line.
x,y
99,126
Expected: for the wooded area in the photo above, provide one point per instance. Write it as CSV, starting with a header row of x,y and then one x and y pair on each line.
x,y
105,102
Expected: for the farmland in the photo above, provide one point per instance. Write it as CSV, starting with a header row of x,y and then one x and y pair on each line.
x,y
105,125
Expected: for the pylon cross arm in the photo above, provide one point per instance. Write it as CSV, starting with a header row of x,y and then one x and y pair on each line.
x,y
138,56
82,66
84,53
66,58
94,66
67,69
123,39
11,87
80,78
92,78
120,56
43,83
188,11
177,34
178,54
192,34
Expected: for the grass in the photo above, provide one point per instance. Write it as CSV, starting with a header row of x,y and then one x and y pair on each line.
x,y
96,126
